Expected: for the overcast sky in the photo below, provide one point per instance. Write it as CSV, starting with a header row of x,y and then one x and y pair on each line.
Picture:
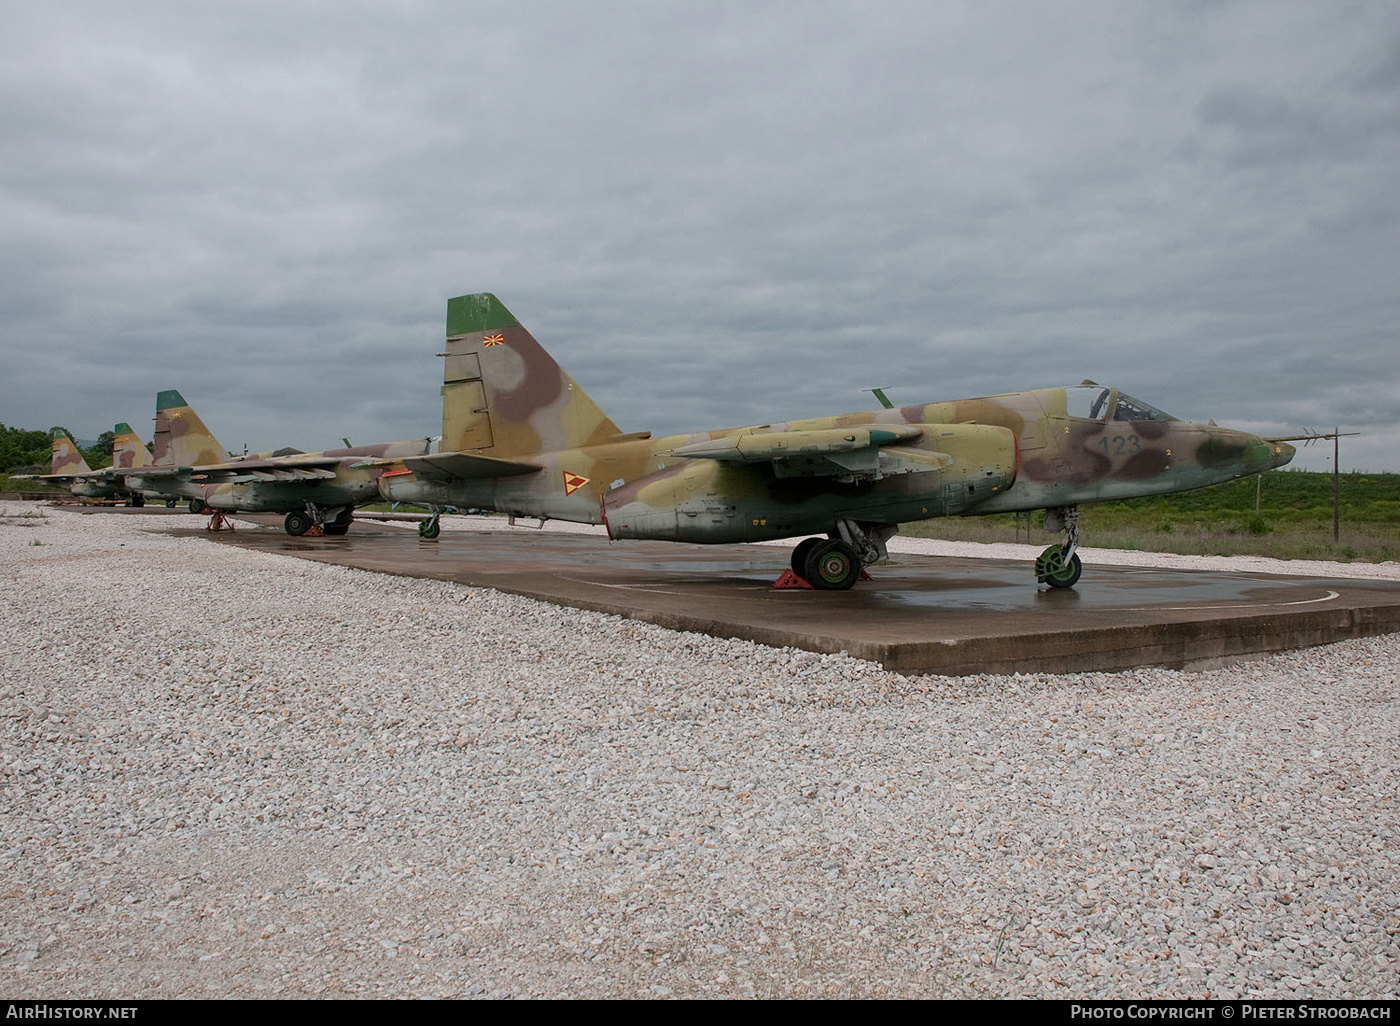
x,y
713,214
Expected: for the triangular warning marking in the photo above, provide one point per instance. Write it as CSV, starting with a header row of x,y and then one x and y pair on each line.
x,y
572,482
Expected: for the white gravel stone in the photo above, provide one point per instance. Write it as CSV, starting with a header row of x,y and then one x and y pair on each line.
x,y
233,773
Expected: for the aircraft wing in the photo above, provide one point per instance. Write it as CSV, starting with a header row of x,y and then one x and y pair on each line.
x,y
824,452
458,466
286,468
62,479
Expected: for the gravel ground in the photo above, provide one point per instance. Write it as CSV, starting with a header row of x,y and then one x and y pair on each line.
x,y
233,773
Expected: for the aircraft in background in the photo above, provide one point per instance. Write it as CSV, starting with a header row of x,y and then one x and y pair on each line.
x,y
129,452
521,437
68,468
318,489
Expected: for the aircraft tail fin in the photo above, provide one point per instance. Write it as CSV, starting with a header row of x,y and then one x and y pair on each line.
x,y
181,438
64,455
503,395
128,450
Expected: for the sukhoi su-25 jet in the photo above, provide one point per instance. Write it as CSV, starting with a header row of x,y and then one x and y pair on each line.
x,y
69,469
521,437
317,489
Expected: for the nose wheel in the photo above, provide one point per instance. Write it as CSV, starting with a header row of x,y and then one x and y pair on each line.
x,y
1053,569
1059,565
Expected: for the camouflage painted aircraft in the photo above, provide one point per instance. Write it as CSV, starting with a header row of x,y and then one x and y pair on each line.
x,y
128,451
313,489
521,437
155,473
67,467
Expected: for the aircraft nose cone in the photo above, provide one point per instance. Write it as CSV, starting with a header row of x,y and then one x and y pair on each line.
x,y
1281,453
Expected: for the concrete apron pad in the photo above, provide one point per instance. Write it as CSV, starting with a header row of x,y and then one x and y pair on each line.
x,y
919,614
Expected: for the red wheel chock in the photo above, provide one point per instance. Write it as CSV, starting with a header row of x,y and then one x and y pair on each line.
x,y
791,580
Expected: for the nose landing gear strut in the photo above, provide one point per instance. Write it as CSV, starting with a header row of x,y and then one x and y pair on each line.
x,y
1059,565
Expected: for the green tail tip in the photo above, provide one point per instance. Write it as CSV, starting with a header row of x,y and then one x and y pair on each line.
x,y
169,400
480,311
123,429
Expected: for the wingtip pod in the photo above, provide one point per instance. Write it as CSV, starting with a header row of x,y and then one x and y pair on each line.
x,y
480,311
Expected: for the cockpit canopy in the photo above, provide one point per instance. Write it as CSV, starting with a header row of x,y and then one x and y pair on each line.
x,y
1095,402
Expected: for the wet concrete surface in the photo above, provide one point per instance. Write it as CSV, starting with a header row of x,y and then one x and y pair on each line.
x,y
920,614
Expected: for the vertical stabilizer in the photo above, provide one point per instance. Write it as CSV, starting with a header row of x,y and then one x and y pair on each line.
x,y
64,455
181,438
503,395
128,450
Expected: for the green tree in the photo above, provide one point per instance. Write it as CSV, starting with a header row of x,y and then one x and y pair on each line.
x,y
24,451
99,454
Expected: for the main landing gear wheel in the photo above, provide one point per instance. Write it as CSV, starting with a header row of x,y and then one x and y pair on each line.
x,y
1051,568
169,503
801,552
297,523
832,566
196,505
136,501
338,526
430,528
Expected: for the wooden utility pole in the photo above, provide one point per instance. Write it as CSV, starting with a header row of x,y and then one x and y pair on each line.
x,y
1308,439
1336,486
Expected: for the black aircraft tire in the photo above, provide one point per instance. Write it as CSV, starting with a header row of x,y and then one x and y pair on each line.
x,y
429,529
136,501
169,503
196,505
801,552
1070,577
335,529
832,566
1051,568
297,523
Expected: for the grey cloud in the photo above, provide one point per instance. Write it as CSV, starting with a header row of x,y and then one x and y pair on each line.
x,y
267,206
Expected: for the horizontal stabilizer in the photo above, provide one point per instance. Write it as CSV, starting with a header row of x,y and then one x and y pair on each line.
x,y
459,466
